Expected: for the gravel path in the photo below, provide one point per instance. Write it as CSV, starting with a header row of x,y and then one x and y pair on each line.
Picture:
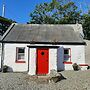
x,y
75,80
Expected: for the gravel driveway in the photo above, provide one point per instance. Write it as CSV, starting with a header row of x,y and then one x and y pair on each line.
x,y
75,80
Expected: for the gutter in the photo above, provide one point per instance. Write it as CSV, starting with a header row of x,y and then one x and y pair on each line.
x,y
53,43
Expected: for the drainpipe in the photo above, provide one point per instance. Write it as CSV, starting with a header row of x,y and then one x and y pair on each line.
x,y
2,57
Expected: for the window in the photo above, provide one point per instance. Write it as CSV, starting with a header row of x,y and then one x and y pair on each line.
x,y
20,55
67,55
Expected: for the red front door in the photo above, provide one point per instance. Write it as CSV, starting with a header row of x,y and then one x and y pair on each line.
x,y
42,60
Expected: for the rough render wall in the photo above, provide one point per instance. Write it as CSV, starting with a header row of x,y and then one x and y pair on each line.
x,y
10,57
55,57
32,60
77,56
52,59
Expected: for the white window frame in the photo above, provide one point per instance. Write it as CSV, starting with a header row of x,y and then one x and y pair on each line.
x,y
67,57
17,55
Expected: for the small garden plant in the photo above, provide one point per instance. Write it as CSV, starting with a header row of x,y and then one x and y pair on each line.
x,y
75,67
88,67
5,68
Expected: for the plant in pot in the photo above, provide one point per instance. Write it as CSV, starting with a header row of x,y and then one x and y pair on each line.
x,y
75,67
5,68
88,67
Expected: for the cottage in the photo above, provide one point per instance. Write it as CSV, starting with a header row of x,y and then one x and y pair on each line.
x,y
38,49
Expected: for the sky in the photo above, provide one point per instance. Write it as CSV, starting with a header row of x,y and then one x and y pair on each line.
x,y
19,10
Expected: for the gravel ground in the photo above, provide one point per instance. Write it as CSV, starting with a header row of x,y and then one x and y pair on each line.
x,y
75,80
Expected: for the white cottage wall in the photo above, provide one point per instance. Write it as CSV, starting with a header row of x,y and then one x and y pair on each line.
x,y
10,57
56,57
33,58
52,59
77,56
32,61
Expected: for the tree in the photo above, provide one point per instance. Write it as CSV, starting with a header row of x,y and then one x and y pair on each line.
x,y
55,12
4,24
86,25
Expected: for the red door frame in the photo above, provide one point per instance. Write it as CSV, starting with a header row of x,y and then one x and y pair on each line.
x,y
37,59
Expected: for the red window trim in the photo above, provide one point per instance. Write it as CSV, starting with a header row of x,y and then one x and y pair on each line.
x,y
83,64
67,62
20,62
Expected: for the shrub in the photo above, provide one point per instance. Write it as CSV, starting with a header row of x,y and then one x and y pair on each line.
x,y
5,68
75,67
88,67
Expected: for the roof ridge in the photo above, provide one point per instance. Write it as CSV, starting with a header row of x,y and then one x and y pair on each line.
x,y
50,24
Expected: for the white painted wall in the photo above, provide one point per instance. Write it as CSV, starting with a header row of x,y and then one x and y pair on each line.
x,y
32,61
10,57
52,59
55,57
77,56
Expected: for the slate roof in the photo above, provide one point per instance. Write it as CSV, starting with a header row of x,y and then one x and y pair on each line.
x,y
31,33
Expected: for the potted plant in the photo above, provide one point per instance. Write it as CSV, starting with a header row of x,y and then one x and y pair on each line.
x,y
88,67
5,68
75,67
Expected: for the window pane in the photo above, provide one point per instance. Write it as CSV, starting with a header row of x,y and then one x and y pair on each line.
x,y
20,56
66,59
66,51
20,53
20,50
67,55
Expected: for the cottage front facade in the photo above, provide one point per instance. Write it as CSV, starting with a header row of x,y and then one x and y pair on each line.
x,y
38,49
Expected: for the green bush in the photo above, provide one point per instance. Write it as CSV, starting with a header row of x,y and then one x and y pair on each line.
x,y
75,67
88,67
5,68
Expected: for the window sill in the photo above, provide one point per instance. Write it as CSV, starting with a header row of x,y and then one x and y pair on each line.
x,y
83,64
20,61
67,62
